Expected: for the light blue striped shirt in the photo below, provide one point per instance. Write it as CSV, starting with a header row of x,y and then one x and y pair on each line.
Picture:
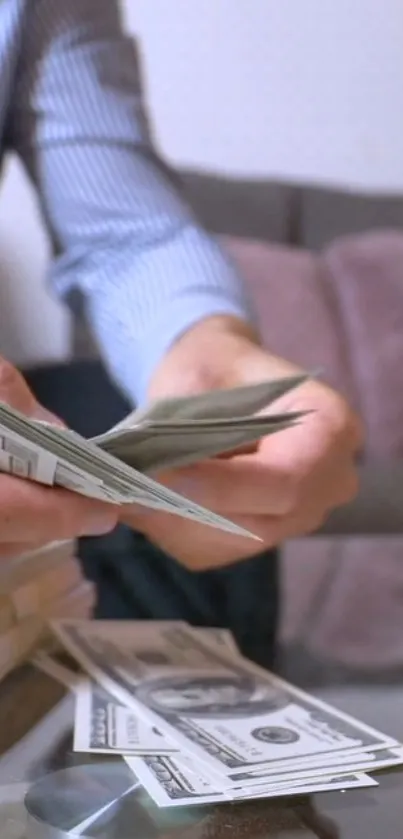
x,y
71,107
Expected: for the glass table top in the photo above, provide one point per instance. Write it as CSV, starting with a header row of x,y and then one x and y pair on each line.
x,y
49,792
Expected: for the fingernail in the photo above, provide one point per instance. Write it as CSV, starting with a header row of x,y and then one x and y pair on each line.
x,y
100,523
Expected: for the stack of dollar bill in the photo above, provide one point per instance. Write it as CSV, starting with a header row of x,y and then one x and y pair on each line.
x,y
199,724
114,466
35,587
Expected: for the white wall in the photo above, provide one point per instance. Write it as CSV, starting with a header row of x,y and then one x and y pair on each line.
x,y
307,89
34,327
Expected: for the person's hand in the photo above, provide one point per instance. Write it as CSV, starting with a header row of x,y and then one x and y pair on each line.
x,y
285,486
32,515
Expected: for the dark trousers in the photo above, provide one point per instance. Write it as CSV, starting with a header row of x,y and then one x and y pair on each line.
x,y
134,579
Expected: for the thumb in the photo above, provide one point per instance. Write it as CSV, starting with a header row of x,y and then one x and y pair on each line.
x,y
15,392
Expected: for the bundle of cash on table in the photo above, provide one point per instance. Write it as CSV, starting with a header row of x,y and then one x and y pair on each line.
x,y
35,587
197,723
173,432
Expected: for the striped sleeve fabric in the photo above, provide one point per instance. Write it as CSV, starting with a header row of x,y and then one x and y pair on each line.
x,y
122,235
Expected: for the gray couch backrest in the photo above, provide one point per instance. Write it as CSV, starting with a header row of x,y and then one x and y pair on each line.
x,y
270,211
281,212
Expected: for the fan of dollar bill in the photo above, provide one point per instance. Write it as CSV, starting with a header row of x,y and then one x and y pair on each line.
x,y
197,723
173,432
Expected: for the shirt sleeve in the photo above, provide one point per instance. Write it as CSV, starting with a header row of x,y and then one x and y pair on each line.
x,y
121,233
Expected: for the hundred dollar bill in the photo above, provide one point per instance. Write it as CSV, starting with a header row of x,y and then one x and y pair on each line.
x,y
229,714
100,475
102,724
221,638
225,404
172,784
82,467
105,726
349,761
175,432
163,446
111,467
56,662
356,762
157,451
307,786
72,676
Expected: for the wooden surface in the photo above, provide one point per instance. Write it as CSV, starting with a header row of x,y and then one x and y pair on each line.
x,y
26,695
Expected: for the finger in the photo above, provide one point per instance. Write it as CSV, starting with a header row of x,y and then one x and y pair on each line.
x,y
200,546
36,514
244,485
209,548
11,550
14,390
275,479
330,413
269,481
16,393
276,530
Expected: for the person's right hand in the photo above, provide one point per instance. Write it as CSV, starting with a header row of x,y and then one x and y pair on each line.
x,y
32,515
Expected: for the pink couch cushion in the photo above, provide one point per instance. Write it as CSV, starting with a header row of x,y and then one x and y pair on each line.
x,y
341,310
367,278
343,599
295,311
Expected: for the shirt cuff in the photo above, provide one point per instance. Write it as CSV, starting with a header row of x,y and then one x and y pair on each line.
x,y
178,317
140,310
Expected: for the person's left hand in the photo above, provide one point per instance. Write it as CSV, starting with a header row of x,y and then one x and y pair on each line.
x,y
283,487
